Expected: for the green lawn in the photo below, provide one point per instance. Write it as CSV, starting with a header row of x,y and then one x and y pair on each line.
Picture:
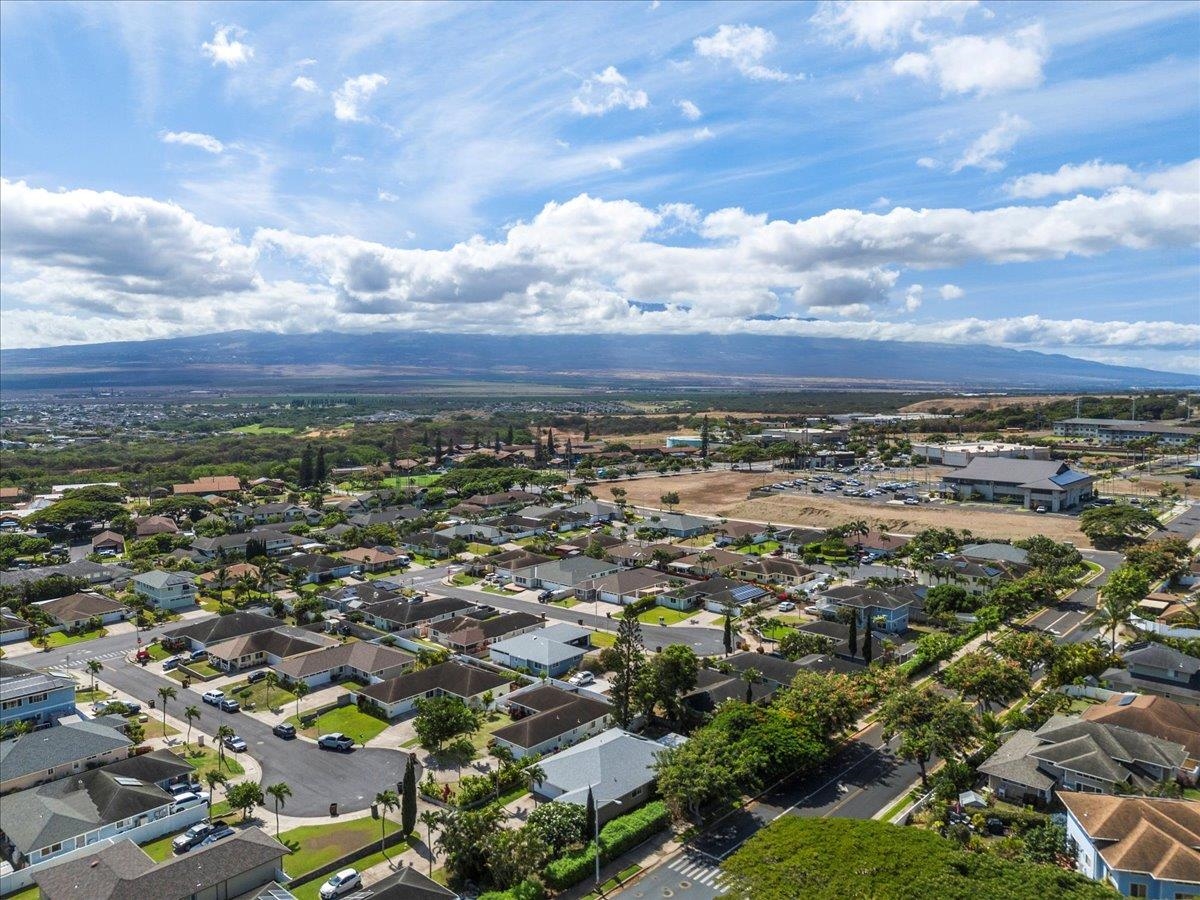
x,y
669,616
157,652
566,603
258,694
480,549
776,633
316,845
30,893
309,889
154,727
762,549
205,759
346,719
495,722
1191,793
62,639
259,428
90,696
403,481
603,638
464,580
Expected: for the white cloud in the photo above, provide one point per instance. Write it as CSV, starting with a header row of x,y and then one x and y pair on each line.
x,y
690,110
845,289
745,47
306,84
985,151
969,64
884,23
951,292
881,203
1098,175
703,134
387,196
928,162
205,142
353,95
605,91
912,298
226,50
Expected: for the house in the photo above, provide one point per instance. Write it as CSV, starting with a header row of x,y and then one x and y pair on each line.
x,y
640,553
361,661
890,604
166,590
27,695
563,574
42,822
471,684
505,499
537,654
273,541
232,574
586,541
838,635
349,597
597,512
149,526
468,634
772,670
616,765
108,542
549,718
275,512
741,534
92,572
718,594
1142,846
245,865
76,611
407,616
714,686
878,543
794,540
566,633
679,525
52,753
1158,717
269,647
479,533
158,767
1076,755
374,559
995,552
212,484
706,562
626,586
1155,668
428,543
1034,483
409,884
204,633
974,577
315,568
12,627
773,570
506,563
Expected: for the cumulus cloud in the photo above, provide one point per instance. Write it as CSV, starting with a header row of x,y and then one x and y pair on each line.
x,y
605,91
913,297
353,95
744,47
985,151
951,292
1098,175
304,83
226,48
846,289
690,110
205,142
969,64
881,24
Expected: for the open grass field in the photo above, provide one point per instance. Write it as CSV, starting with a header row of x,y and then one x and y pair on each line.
x,y
402,481
259,428
345,719
316,845
724,494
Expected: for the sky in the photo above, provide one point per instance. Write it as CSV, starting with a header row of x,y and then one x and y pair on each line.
x,y
1025,175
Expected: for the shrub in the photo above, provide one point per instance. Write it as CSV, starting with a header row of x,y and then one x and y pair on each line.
x,y
526,890
618,836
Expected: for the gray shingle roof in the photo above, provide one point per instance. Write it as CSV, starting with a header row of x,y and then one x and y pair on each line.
x,y
222,628
451,677
50,747
612,763
537,648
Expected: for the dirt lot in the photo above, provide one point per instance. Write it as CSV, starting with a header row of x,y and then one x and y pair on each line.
x,y
724,494
961,404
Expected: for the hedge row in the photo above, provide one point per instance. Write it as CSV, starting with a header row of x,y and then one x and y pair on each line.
x,y
618,836
526,890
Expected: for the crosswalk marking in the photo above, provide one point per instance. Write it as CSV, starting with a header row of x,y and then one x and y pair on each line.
x,y
700,872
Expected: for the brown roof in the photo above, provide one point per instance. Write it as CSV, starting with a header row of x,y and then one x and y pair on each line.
x,y
108,537
369,555
1159,717
1142,834
361,655
283,641
210,484
152,525
232,573
79,606
455,678
558,712
11,493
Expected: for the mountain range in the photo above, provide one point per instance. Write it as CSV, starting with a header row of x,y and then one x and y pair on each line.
x,y
245,361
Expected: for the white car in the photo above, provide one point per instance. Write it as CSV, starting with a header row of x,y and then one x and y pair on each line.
x,y
213,697
341,883
582,679
189,799
787,606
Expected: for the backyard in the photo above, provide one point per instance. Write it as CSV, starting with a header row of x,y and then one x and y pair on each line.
x,y
661,615
316,845
62,639
347,720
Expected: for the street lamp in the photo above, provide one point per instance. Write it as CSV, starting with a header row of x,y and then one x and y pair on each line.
x,y
597,824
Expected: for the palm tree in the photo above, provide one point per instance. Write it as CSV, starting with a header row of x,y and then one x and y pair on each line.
x,y
535,775
191,713
212,778
1112,614
431,819
750,676
266,575
94,666
223,732
280,792
300,689
504,758
386,801
271,681
165,693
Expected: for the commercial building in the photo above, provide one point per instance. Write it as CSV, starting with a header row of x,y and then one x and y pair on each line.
x,y
961,453
1122,431
1032,483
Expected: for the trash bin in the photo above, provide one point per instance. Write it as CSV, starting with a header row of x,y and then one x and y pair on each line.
x,y
374,811
333,809
152,704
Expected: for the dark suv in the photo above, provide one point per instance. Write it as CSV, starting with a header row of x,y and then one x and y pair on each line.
x,y
284,730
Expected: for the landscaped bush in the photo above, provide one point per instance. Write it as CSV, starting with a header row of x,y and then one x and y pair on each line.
x,y
618,836
641,604
1020,819
526,890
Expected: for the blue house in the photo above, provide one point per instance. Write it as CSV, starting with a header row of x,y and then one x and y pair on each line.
x,y
1141,846
27,695
538,654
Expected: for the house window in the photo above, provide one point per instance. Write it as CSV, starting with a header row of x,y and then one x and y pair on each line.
x,y
1138,890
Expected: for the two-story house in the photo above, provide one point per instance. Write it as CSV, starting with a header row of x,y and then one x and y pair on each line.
x,y
27,695
166,590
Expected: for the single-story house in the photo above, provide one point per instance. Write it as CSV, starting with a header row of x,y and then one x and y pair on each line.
x,y
374,559
679,525
232,574
714,686
536,653
643,553
476,532
347,597
148,526
617,766
160,767
108,542
249,864
975,577
166,590
407,884
397,696
93,573
468,634
717,594
428,543
549,718
12,627
772,570
52,753
706,562
270,648
27,695
408,616
273,539
1034,483
625,586
275,512
77,610
794,540
1141,846
204,633
506,563
839,637
567,633
315,568
211,484
739,534
362,661
597,512
993,551
563,574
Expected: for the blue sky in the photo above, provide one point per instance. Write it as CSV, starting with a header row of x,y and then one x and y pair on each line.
x,y
1017,174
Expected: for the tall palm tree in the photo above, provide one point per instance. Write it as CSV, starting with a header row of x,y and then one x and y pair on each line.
x,y
191,713
386,801
750,676
535,775
431,819
165,693
271,681
266,575
212,778
279,792
504,758
223,732
94,666
1111,614
300,689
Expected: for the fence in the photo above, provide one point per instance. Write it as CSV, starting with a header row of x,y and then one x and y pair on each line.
x,y
1085,690
1162,629
396,837
311,715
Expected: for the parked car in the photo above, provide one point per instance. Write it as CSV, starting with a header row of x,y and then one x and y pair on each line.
x,y
183,787
582,679
1040,509
284,730
787,606
335,741
213,697
340,884
197,655
221,831
170,663
228,704
257,676
189,799
235,743
190,838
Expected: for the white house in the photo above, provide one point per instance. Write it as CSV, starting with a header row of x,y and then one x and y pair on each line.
x,y
166,590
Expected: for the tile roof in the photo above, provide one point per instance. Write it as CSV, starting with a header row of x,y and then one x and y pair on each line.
x,y
556,712
1148,714
1147,835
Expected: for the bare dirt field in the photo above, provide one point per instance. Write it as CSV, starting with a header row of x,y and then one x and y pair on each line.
x,y
724,494
961,404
